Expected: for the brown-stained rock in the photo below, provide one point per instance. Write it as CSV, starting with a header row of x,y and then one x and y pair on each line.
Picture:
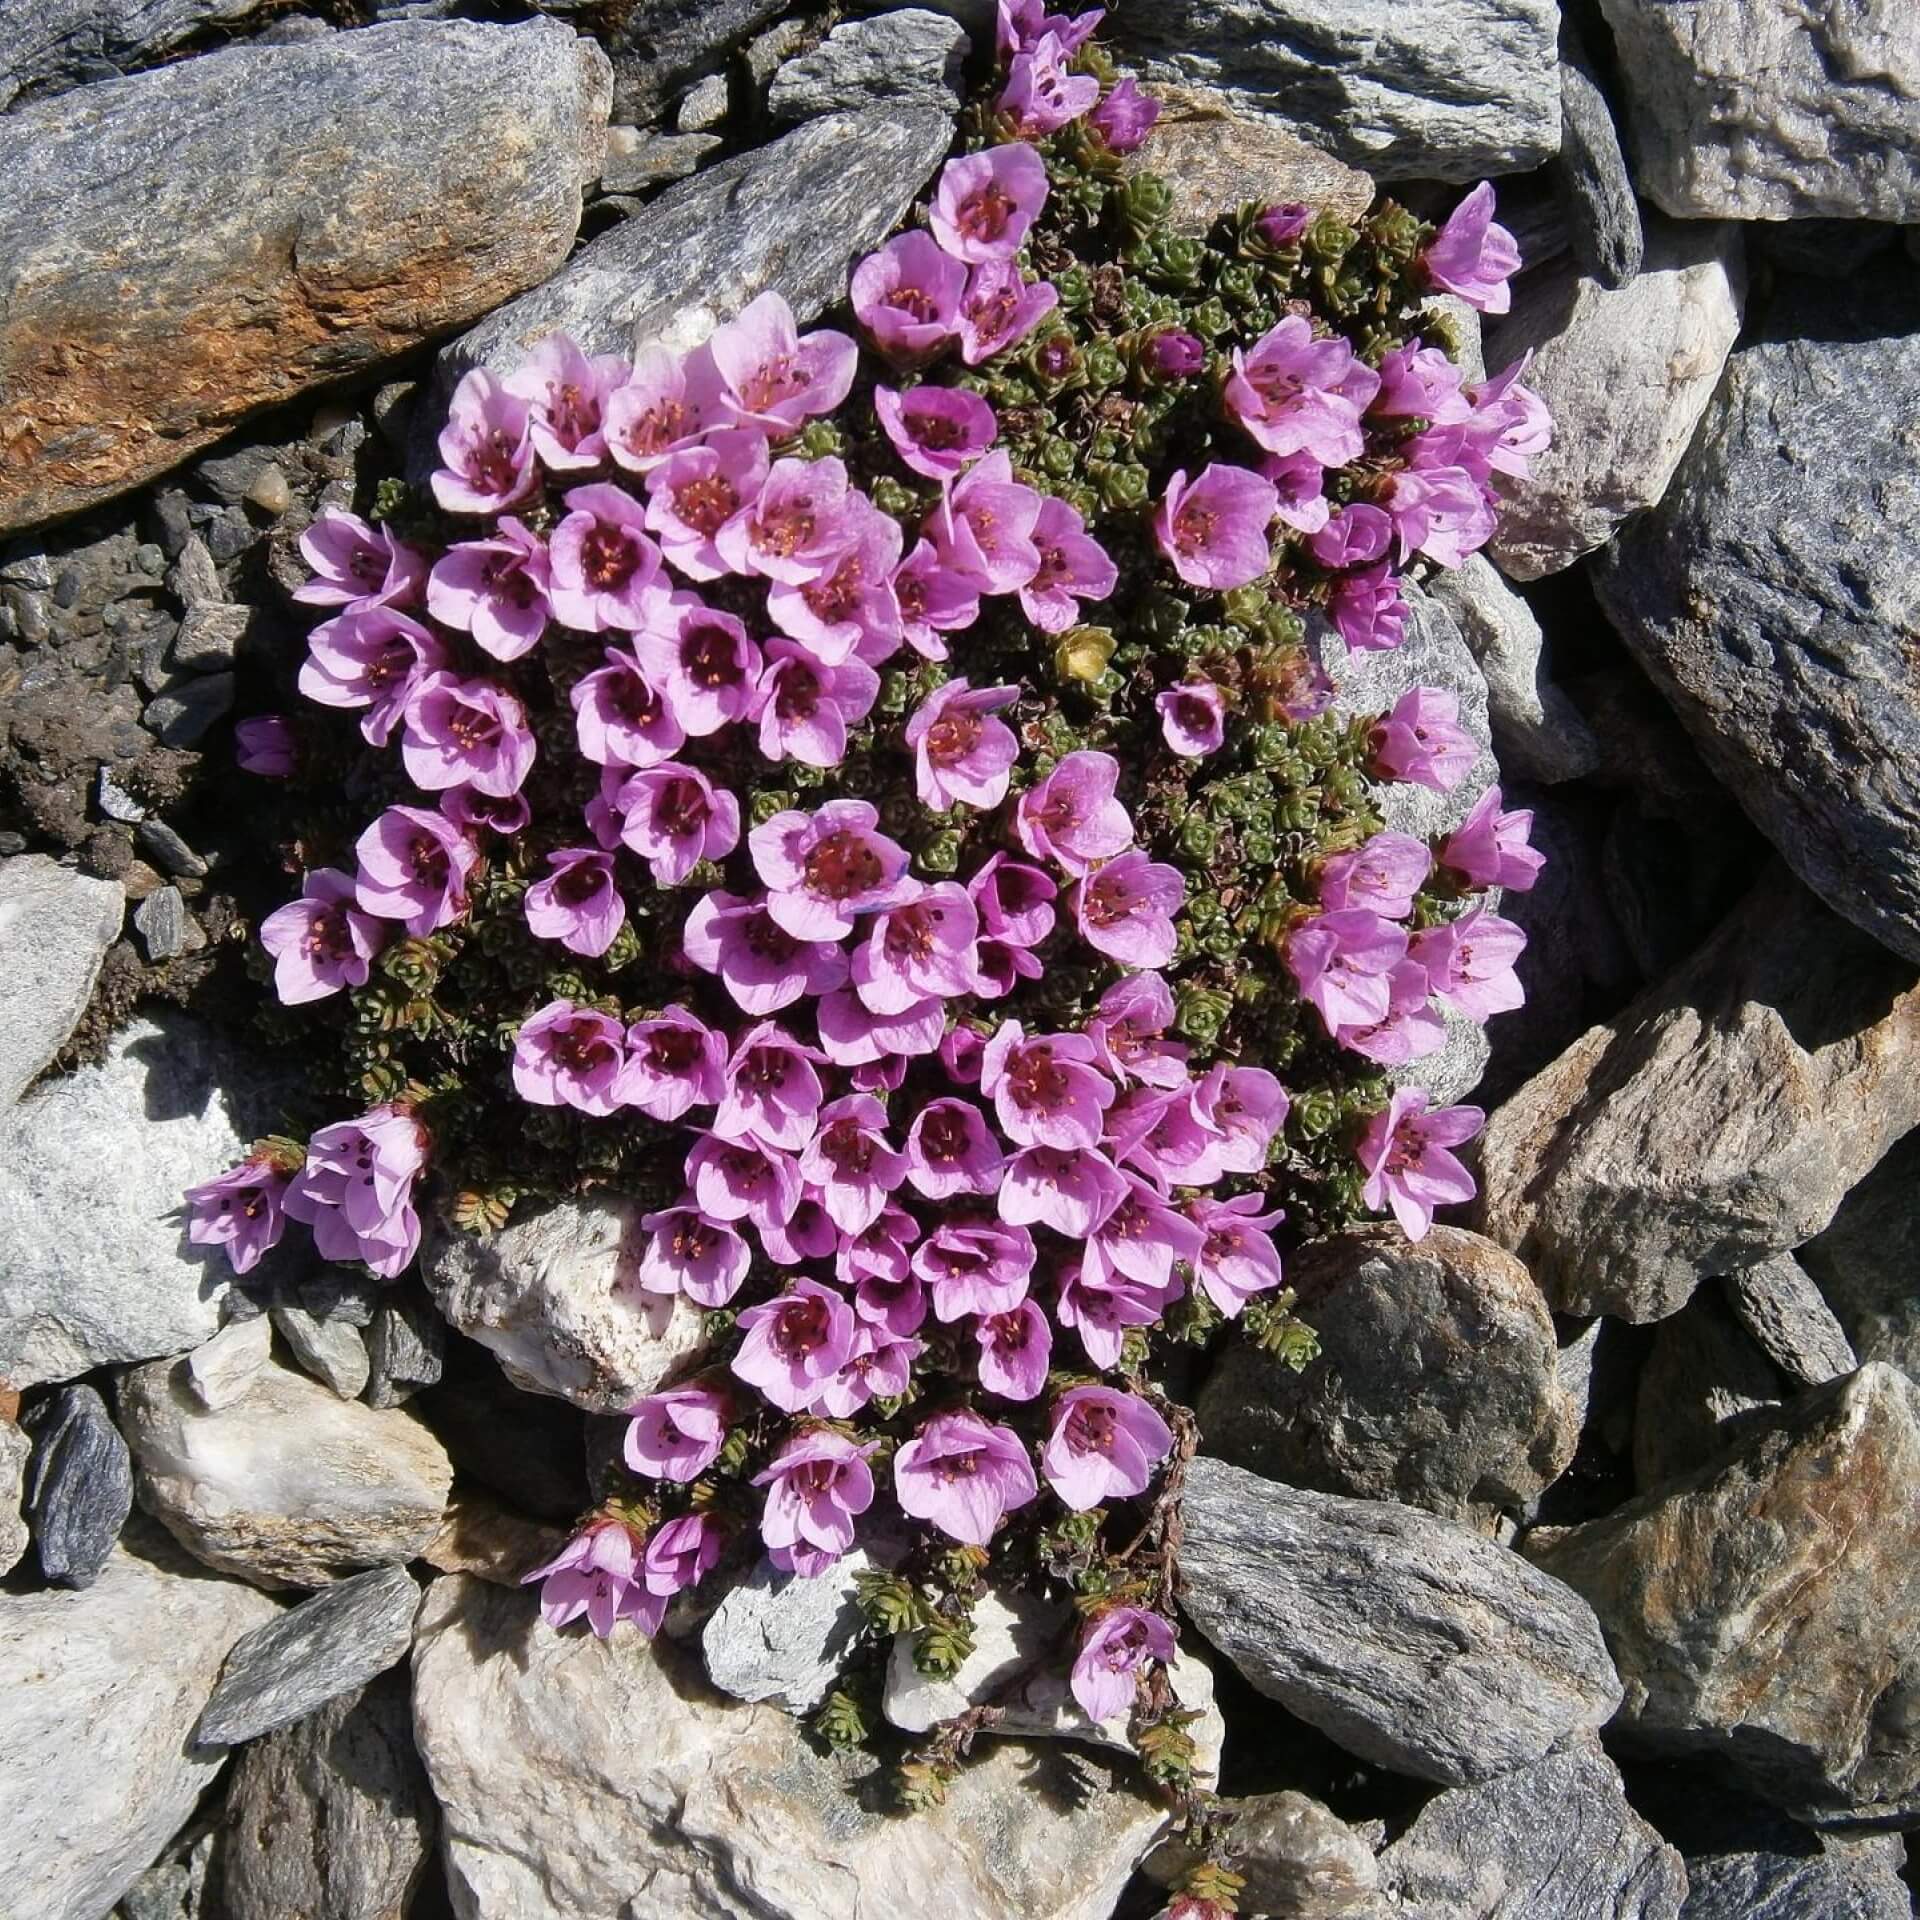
x,y
1706,1383
479,1536
185,246
1720,1119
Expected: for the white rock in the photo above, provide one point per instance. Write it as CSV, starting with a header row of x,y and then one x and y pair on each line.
x,y
288,1485
780,1638
15,1451
1627,375
558,1299
625,1789
55,928
102,1688
221,1369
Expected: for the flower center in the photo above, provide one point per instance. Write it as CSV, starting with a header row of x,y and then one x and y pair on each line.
x,y
953,736
707,502
680,809
607,558
843,865
771,382
915,302
1090,1429
985,213
708,656
799,1327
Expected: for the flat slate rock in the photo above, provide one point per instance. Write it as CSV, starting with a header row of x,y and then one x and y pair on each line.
x,y
47,43
906,54
1780,1305
325,205
55,928
79,1488
1596,191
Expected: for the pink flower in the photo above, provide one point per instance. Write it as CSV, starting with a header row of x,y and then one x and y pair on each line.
x,y
1510,423
1070,1189
983,527
1041,94
666,404
1114,1646
1015,900
319,942
265,746
1469,963
1015,1348
761,964
676,1435
850,606
1411,1030
826,868
773,378
1237,1258
495,589
682,1552
1439,510
1489,848
795,528
985,202
879,1368
936,431
1125,909
804,708
808,1235
1163,1133
605,572
413,867
772,1094
702,664
487,448
1045,1090
1297,480
620,717
1142,1238
674,1062
960,751
1419,383
855,1036
1193,718
598,1573
1246,1107
1295,394
356,1190
240,1211
933,599
879,1252
1125,117
674,817
569,1056
1215,531
1126,1032
1104,1446
1072,816
974,1267
1283,225
950,1151
923,948
566,394
1020,24
1367,609
1383,876
962,1474
850,1164
1341,962
1473,256
466,733
692,494
795,1344
1352,536
743,1180
907,296
1073,567
688,1253
578,903
816,1485
356,566
1408,1167
373,659
1000,308
1422,741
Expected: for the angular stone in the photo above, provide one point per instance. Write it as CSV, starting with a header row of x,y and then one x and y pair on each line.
x,y
1596,191
55,928
1772,110
1640,1162
909,54
1778,1871
660,45
656,160
64,42
1780,1306
1214,158
209,637
327,206
181,715
330,1819
1771,600
331,1350
1295,1857
161,922
1705,1385
326,1646
722,1809
288,1486
1766,1610
1437,1380
127,1665
705,105
1452,91
557,1298
1866,1260
1627,375
15,1450
1553,1841
1404,1638
406,1347
781,1638
221,1369
95,1266
79,1488
168,851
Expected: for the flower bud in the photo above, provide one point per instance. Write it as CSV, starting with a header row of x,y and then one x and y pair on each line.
x,y
1175,354
1083,653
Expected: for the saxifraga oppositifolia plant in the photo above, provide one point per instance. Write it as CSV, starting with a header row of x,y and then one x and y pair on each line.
x,y
872,797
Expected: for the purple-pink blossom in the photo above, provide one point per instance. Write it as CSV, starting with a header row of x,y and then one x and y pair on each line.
x,y
1367,609
1489,848
826,868
1341,961
1422,741
321,943
795,1344
665,404
907,296
963,1475
743,1180
604,572
850,607
681,1552
1469,963
936,431
961,750
674,817
922,948
239,1211
1128,1031
879,1368
1070,1189
1214,529
1293,393
974,1267
676,1434
805,708
674,1062
375,659
1000,308
797,525
620,718
1104,1445
570,1056
702,664
985,202
413,867
1045,1088
1071,816
761,964
774,377
264,745
495,589
817,1484
688,1253
983,527
1125,117
1193,718
578,903
693,493
1114,1646
1352,536
771,1092
356,566
486,448
1473,256
1125,909
566,393
1410,1169
598,1573
1015,1349
1041,94
933,599
950,1151
850,1164
1237,1257
356,1189
1383,874
1073,567
466,733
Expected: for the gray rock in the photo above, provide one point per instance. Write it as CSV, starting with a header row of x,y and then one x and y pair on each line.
x,y
1404,1638
1458,89
331,1644
1437,1382
556,1297
1769,598
1627,375
721,1809
1553,1841
331,1350
1780,1306
161,922
1787,1873
181,715
1706,1384
327,205
79,1488
1595,189
209,637
705,106
16,1449
406,1349
1765,1611
1770,110
906,55
778,1637
60,43
167,850
653,159
330,1819
1866,1260
790,216
343,1293
195,580
658,46
1537,730
55,928
1640,1162
102,1689
114,801
95,1266
1295,1857
288,1486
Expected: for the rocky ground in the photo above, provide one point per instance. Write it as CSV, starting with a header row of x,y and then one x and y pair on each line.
x,y
1578,1580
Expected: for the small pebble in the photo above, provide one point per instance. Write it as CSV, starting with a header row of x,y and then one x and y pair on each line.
x,y
150,559
116,802
161,922
705,106
270,492
167,848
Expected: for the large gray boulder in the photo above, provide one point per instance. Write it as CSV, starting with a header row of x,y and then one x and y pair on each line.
x,y
55,928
